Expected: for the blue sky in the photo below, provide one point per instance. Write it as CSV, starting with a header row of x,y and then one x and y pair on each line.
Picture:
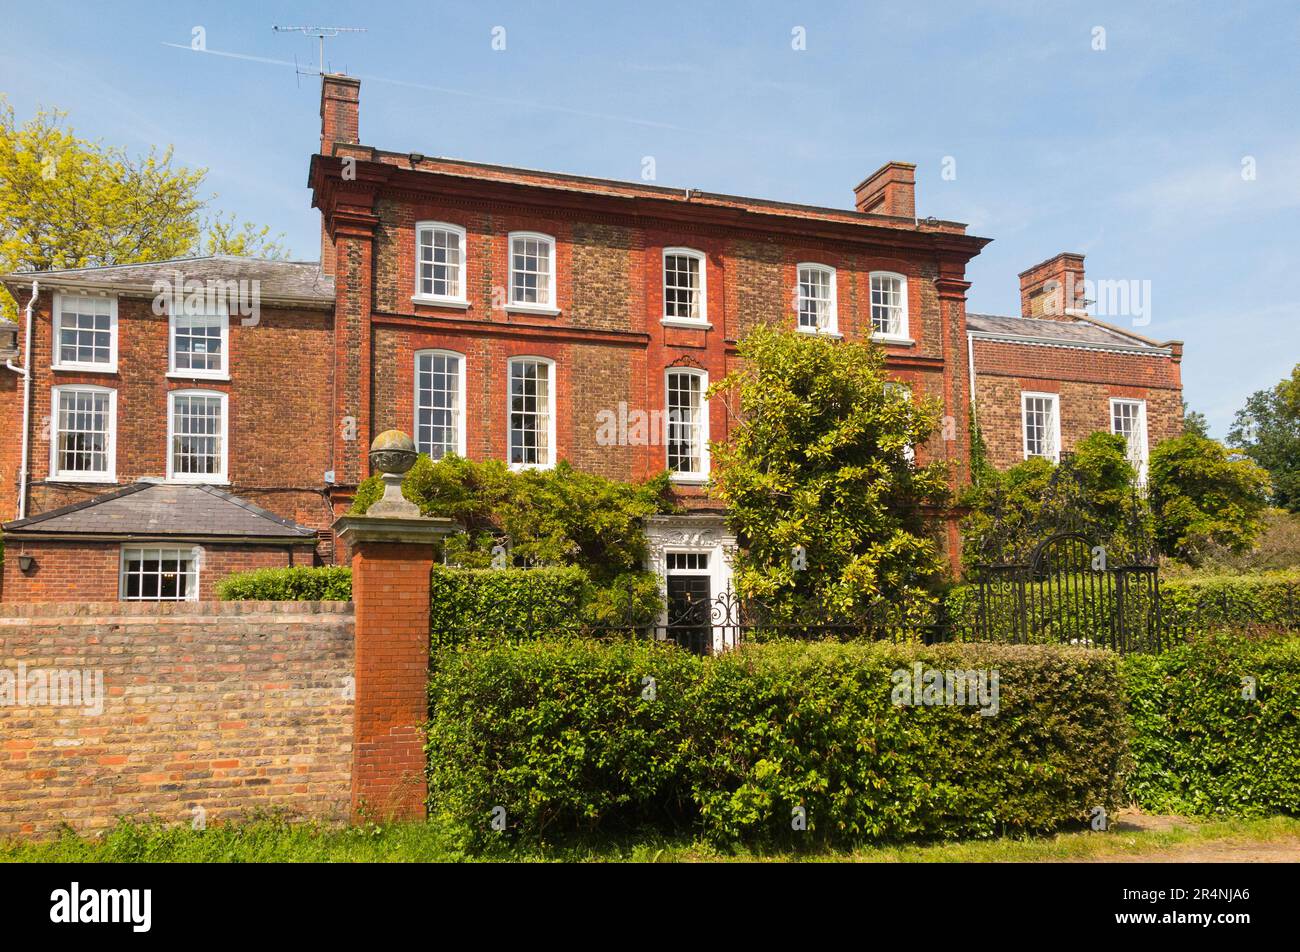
x,y
1132,154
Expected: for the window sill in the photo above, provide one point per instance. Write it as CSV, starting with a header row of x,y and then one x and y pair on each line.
x,y
688,479
214,378
896,341
686,322
532,309
819,332
523,467
99,479
188,481
84,368
457,303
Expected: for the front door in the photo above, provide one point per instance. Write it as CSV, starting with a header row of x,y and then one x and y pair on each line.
x,y
690,601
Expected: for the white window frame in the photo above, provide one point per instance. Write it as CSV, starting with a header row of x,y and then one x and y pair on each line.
x,y
701,475
73,476
223,373
452,300
210,479
903,333
832,323
703,259
551,307
459,416
194,555
56,321
1138,455
1055,400
550,412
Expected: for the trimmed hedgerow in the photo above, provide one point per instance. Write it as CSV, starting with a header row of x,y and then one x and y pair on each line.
x,y
490,600
565,738
1202,745
565,735
328,583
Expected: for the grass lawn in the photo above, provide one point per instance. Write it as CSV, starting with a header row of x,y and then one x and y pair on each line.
x,y
272,841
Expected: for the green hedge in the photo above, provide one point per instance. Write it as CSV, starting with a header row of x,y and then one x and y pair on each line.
x,y
1268,598
1204,748
328,583
489,600
563,735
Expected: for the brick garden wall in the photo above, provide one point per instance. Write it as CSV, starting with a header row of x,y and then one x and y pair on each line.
x,y
234,707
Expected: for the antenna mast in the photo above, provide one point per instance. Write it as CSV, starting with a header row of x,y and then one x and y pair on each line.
x,y
321,33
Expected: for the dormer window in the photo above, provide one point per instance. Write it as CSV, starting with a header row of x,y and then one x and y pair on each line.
x,y
440,263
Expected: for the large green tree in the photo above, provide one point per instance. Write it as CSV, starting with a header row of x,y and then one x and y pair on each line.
x,y
67,202
1007,507
1205,496
819,479
1268,431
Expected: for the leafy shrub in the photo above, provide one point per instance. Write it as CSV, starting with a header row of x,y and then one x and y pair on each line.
x,y
1009,504
1205,603
1203,747
1205,497
563,736
478,602
329,583
819,459
490,599
552,517
1276,548
813,725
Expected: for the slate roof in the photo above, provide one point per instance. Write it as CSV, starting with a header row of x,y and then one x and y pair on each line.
x,y
160,510
1074,332
279,281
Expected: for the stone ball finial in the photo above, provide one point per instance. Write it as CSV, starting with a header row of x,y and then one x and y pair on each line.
x,y
393,452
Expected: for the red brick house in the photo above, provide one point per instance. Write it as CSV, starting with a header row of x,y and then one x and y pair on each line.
x,y
1042,381
494,312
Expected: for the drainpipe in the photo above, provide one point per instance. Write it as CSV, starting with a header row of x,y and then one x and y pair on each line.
x,y
27,401
970,364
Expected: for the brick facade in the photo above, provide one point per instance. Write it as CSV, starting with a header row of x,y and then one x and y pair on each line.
x,y
89,571
234,708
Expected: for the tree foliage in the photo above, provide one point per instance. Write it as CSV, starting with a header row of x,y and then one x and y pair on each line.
x,y
1205,496
552,517
1268,431
819,459
1007,506
67,202
1195,422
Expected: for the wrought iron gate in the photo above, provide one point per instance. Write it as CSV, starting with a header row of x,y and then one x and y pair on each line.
x,y
1073,574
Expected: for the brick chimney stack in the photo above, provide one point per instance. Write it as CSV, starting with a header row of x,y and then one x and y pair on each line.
x,y
1054,289
890,190
340,104
340,107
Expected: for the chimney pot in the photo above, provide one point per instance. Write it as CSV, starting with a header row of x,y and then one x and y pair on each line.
x,y
890,190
